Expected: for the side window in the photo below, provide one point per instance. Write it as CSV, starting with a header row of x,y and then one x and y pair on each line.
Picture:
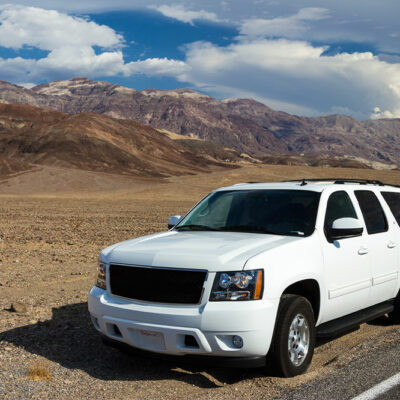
x,y
393,201
374,217
339,206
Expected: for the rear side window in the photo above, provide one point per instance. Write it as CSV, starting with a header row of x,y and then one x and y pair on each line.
x,y
393,201
374,217
339,206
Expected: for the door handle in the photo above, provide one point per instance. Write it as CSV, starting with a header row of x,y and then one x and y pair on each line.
x,y
362,250
391,245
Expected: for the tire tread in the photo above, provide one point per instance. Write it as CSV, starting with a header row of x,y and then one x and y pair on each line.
x,y
279,359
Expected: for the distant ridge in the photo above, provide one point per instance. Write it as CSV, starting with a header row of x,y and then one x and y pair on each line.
x,y
242,124
31,137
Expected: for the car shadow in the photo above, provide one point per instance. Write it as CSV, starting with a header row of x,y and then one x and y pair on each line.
x,y
320,341
384,320
69,339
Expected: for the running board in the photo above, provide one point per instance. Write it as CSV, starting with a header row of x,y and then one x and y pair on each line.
x,y
352,321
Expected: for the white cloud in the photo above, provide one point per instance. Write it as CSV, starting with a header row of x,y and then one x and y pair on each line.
x,y
296,74
26,85
378,113
365,21
290,27
49,29
156,67
178,12
70,43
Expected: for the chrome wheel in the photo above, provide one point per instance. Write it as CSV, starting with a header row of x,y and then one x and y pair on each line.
x,y
299,340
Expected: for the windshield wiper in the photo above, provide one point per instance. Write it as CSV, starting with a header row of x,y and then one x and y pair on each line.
x,y
293,233
194,227
247,228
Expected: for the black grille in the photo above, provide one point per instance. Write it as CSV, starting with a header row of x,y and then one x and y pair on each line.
x,y
157,284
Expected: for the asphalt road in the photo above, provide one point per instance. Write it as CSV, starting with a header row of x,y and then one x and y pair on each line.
x,y
377,364
391,394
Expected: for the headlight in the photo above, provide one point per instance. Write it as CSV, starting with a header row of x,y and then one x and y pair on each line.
x,y
101,276
243,285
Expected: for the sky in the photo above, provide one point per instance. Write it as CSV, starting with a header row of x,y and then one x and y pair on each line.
x,y
304,57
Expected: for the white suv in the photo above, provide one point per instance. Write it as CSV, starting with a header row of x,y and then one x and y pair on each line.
x,y
254,272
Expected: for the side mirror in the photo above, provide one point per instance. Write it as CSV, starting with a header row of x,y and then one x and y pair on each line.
x,y
172,221
344,228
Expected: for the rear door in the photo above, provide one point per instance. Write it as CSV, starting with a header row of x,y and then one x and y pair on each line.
x,y
381,244
392,199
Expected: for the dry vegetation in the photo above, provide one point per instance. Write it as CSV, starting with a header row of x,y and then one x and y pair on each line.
x,y
49,243
39,371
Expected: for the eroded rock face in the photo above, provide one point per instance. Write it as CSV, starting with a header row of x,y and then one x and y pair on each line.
x,y
32,136
243,124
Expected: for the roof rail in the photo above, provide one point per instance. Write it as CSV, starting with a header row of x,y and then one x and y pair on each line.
x,y
360,181
339,181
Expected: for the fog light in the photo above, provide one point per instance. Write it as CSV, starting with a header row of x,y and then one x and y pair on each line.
x,y
237,341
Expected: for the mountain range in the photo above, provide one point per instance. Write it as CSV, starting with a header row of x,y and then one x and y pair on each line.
x,y
240,127
32,137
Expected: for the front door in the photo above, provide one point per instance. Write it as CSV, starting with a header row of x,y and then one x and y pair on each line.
x,y
346,261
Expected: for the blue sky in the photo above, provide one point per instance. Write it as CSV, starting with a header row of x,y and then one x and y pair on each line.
x,y
304,57
152,35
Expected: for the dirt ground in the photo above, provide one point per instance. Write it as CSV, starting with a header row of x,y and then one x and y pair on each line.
x,y
49,243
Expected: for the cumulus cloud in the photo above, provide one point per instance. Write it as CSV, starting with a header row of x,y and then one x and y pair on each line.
x,y
70,43
178,12
26,85
378,113
296,75
363,21
49,29
289,27
157,67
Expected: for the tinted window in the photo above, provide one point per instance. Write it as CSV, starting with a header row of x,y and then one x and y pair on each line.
x,y
339,206
280,212
393,201
371,209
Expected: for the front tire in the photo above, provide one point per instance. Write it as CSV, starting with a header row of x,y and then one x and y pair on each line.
x,y
294,336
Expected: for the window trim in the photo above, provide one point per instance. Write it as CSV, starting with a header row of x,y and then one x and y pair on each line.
x,y
349,195
383,192
382,209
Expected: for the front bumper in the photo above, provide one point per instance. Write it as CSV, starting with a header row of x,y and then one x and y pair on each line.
x,y
164,328
206,361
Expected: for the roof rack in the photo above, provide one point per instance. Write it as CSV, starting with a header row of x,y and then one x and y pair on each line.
x,y
339,181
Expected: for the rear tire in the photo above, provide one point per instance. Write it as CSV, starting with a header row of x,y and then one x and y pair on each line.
x,y
394,316
293,342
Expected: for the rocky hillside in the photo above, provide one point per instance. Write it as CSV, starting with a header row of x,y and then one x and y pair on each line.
x,y
243,124
31,136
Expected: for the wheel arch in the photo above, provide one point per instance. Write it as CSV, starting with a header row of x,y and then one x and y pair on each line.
x,y
310,289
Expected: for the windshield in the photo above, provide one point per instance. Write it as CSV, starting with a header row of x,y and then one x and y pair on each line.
x,y
279,212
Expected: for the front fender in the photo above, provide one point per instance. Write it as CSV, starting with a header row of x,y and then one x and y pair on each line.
x,y
291,263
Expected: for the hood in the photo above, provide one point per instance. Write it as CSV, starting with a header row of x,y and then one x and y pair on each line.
x,y
213,251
